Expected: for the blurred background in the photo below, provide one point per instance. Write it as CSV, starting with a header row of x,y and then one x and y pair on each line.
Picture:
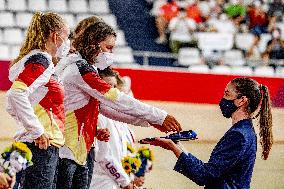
x,y
179,55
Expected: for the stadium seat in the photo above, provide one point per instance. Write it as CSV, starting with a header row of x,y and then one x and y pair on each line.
x,y
23,19
70,20
7,19
36,5
199,68
12,36
57,6
215,41
264,38
264,71
99,7
80,17
188,56
234,58
78,6
222,70
280,72
110,19
123,55
244,40
242,70
4,52
2,5
1,36
120,38
14,51
19,5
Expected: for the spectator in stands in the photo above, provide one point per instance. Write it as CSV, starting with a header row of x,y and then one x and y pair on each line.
x,y
193,11
276,10
236,10
87,95
233,158
182,28
223,24
258,19
35,98
275,47
166,12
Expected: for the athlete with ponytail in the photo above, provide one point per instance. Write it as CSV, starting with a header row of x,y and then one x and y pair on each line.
x,y
35,98
232,160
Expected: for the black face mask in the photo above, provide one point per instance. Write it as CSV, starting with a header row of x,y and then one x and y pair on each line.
x,y
227,107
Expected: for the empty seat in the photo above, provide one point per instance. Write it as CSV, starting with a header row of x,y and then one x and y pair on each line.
x,y
199,68
234,58
264,71
110,19
70,20
36,5
12,36
189,56
99,6
1,36
2,5
14,51
280,72
222,70
123,55
120,38
78,6
264,38
19,5
7,19
4,52
244,40
242,70
57,5
23,19
82,16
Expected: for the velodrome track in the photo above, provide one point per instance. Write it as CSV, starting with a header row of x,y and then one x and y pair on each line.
x,y
207,121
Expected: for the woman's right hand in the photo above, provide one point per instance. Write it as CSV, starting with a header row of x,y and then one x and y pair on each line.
x,y
129,186
5,181
43,142
169,124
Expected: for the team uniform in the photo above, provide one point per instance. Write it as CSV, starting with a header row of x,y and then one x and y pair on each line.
x,y
35,101
86,94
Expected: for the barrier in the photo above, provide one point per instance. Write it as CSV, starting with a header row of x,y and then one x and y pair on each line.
x,y
177,86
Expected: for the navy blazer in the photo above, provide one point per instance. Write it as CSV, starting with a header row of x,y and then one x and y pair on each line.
x,y
231,162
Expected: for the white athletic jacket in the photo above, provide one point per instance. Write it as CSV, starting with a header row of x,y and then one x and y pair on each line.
x,y
108,171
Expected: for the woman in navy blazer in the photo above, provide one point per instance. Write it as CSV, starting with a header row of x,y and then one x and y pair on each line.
x,y
232,160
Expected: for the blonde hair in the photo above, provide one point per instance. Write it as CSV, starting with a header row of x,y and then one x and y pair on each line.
x,y
41,26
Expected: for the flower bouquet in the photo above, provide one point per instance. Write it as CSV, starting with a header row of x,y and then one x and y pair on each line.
x,y
15,158
146,156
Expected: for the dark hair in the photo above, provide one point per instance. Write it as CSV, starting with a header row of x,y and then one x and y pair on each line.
x,y
108,72
87,44
258,95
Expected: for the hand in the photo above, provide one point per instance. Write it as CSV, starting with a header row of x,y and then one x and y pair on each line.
x,y
5,181
43,142
139,181
164,143
129,186
171,124
103,135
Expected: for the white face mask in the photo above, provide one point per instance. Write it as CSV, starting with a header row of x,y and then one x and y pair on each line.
x,y
104,60
276,34
63,50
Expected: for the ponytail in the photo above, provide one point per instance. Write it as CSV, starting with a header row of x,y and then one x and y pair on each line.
x,y
265,122
42,24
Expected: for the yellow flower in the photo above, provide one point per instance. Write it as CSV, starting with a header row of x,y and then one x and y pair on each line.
x,y
22,148
130,148
127,167
146,153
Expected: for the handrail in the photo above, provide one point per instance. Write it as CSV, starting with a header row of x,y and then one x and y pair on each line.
x,y
147,54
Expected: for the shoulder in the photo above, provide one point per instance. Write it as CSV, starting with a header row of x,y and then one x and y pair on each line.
x,y
38,58
84,67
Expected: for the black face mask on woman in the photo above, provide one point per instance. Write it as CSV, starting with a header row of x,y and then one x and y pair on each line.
x,y
227,107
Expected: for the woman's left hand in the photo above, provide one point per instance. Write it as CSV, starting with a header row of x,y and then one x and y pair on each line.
x,y
103,135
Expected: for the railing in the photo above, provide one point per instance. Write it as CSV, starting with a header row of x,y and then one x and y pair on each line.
x,y
150,54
